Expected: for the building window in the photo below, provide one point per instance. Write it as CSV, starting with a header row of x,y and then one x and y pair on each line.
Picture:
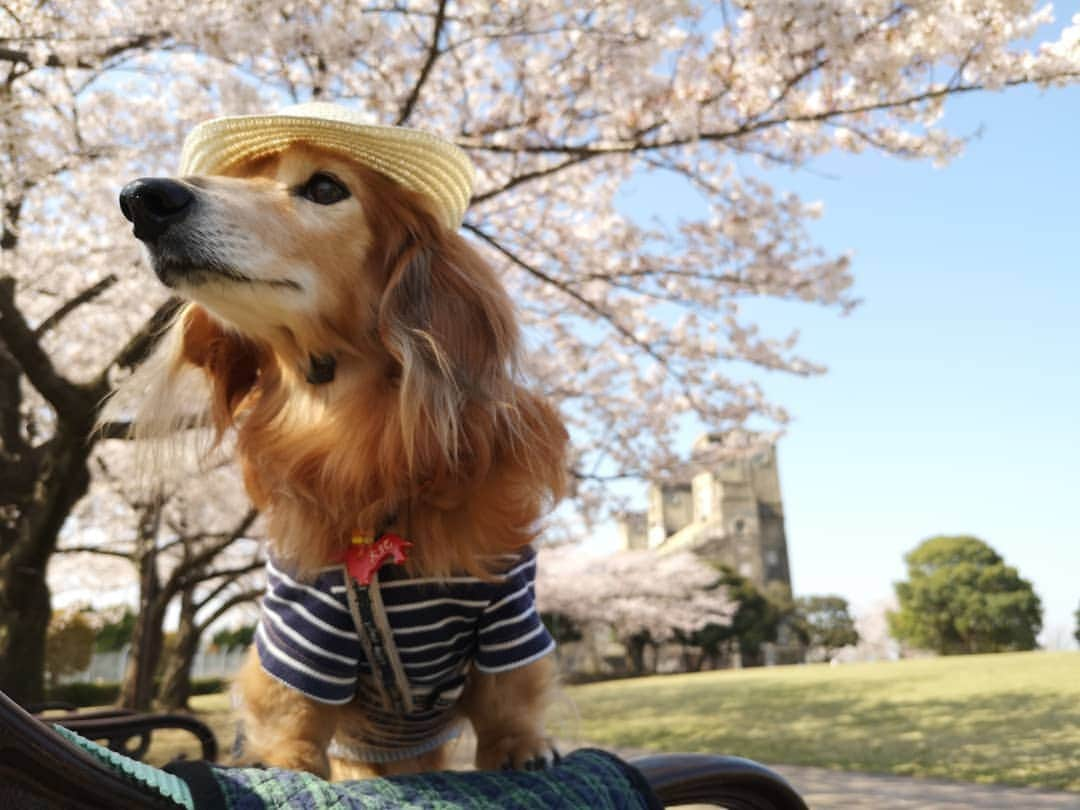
x,y
739,525
772,557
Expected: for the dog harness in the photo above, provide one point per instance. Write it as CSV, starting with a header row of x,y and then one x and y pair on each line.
x,y
402,647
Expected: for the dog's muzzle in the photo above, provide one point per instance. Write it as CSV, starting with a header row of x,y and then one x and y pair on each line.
x,y
153,204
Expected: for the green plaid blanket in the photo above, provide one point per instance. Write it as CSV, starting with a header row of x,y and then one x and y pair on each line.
x,y
589,779
586,779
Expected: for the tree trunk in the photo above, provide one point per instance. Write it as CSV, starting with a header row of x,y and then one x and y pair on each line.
x,y
635,653
148,635
176,682
147,640
24,622
30,523
655,664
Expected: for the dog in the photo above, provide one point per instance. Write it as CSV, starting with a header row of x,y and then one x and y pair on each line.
x,y
364,359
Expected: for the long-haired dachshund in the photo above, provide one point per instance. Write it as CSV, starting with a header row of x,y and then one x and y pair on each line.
x,y
364,357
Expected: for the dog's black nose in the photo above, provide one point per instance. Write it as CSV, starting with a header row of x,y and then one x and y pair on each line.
x,y
152,204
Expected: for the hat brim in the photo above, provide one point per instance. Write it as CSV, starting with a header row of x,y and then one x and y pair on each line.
x,y
417,160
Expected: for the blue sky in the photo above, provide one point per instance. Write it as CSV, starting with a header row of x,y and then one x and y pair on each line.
x,y
951,401
950,405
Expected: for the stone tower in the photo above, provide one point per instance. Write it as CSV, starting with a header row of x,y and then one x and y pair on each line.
x,y
728,511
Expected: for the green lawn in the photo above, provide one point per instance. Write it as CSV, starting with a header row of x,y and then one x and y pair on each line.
x,y
216,712
995,718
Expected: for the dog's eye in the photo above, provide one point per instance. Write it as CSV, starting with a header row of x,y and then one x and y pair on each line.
x,y
323,189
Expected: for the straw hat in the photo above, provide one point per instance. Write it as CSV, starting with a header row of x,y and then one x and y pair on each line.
x,y
418,160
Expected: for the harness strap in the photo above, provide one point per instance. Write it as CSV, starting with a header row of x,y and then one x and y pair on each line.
x,y
377,639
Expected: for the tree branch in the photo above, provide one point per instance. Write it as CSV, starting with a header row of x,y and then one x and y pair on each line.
x,y
662,361
432,55
84,297
565,288
106,552
83,62
236,599
70,400
12,442
203,558
527,176
115,430
143,342
122,429
231,575
591,150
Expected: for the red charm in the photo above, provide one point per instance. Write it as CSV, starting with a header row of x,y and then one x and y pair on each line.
x,y
365,557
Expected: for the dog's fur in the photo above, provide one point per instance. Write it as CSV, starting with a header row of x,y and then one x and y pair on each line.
x,y
425,419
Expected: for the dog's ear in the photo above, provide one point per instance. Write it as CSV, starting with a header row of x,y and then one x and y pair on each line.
x,y
230,361
449,324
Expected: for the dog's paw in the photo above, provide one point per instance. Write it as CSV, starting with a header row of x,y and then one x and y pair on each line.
x,y
517,753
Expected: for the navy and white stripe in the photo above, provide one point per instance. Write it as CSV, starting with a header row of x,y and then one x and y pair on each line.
x,y
306,639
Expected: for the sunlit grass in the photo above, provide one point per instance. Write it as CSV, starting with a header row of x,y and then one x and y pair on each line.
x,y
216,712
997,718
1011,719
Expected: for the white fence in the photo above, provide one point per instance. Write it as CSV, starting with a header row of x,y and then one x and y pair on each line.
x,y
109,667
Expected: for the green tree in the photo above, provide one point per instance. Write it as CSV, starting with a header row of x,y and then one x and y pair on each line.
x,y
232,638
116,633
961,597
824,622
1076,633
69,644
756,621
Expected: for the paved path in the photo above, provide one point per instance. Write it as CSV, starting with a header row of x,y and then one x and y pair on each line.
x,y
824,789
841,790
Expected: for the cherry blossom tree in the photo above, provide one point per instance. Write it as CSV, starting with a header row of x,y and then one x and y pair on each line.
x,y
645,597
190,546
636,326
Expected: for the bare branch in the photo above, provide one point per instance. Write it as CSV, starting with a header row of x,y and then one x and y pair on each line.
x,y
70,400
115,430
11,438
565,288
204,556
231,575
84,297
236,599
525,177
86,62
586,151
105,552
432,55
143,342
122,429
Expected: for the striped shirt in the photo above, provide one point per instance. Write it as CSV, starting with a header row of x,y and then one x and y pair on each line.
x,y
307,639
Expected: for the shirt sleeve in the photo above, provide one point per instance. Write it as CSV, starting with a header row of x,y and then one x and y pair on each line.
x,y
510,633
306,638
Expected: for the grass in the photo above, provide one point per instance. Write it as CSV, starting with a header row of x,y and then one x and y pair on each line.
x,y
1011,719
215,711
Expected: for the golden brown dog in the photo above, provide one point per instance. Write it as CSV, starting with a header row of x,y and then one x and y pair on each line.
x,y
365,357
